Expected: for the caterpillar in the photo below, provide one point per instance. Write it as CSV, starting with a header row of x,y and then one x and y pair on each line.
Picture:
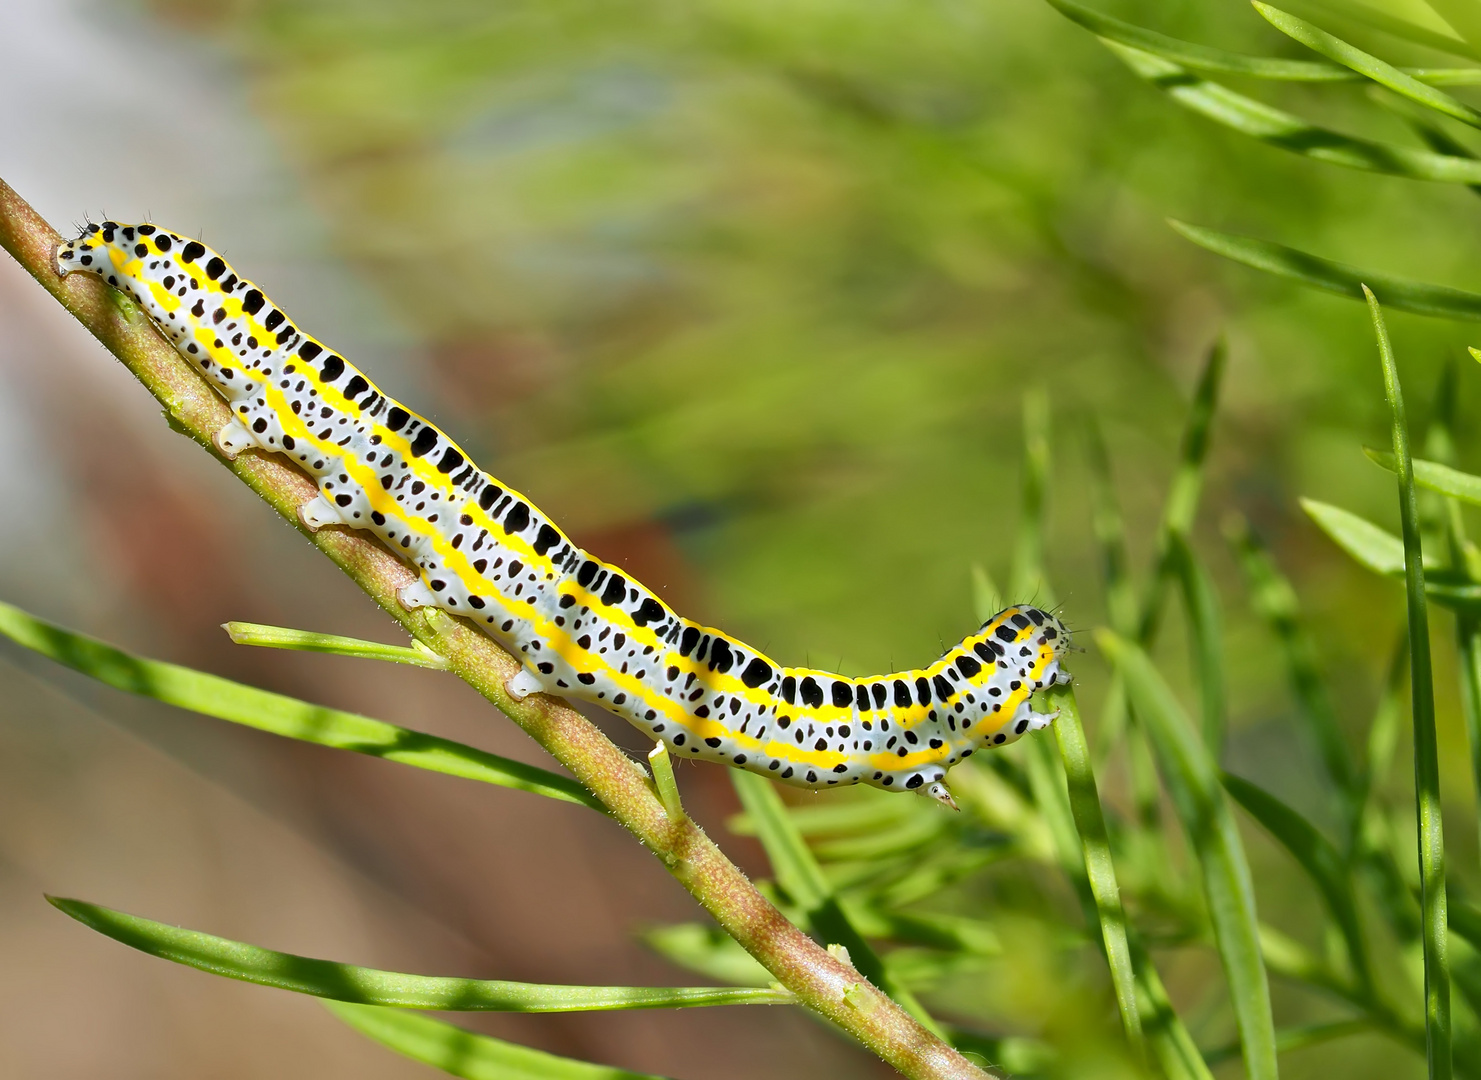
x,y
580,627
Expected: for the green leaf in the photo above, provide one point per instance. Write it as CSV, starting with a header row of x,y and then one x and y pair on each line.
x,y
1171,1044
1275,601
1297,1038
1201,602
1362,14
281,637
1192,781
987,598
369,986
463,1053
1186,490
1289,132
1375,548
665,784
223,699
1402,294
1367,65
1315,854
799,875
1221,61
839,816
708,950
1095,848
1434,476
1422,709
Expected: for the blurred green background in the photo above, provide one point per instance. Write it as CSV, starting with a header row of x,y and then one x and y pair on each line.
x,y
747,296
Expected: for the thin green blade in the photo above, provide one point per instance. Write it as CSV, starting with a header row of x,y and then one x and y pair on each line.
x,y
283,637
1367,65
1315,854
1192,781
463,1053
211,695
1426,751
1224,62
1434,476
1402,294
1288,131
798,873
1375,548
1100,868
369,986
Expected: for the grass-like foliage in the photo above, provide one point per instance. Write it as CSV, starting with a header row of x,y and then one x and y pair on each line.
x,y
1105,852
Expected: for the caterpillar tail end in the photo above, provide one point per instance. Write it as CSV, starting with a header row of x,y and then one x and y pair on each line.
x,y
938,792
61,255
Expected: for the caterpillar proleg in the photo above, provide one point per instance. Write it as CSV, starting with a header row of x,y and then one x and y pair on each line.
x,y
580,627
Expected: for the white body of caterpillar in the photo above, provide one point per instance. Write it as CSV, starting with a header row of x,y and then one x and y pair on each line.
x,y
580,627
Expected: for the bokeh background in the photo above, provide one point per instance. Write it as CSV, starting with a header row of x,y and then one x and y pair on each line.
x,y
746,295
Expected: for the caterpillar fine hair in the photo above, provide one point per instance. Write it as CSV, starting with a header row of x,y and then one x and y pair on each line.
x,y
580,627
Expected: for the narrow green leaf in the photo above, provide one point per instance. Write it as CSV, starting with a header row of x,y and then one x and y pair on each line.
x,y
281,637
1287,131
987,598
1401,294
665,783
369,986
1465,920
1463,16
911,835
1186,491
1434,476
799,875
1192,781
223,699
838,817
464,1053
1095,848
1315,854
708,950
1011,1055
1297,1038
1426,126
1275,601
1223,62
1201,601
1377,549
1361,14
1426,752
1171,1044
1367,65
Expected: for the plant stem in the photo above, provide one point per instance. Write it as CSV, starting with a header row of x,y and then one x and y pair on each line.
x,y
819,980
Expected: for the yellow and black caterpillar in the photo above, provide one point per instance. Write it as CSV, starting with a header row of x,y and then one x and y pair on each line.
x,y
580,627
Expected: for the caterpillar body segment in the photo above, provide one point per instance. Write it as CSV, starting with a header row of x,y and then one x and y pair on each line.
x,y
581,628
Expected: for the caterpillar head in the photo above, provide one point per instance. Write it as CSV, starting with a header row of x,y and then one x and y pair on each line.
x,y
89,251
938,792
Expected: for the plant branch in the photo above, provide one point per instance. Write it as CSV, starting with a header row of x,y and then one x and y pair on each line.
x,y
822,982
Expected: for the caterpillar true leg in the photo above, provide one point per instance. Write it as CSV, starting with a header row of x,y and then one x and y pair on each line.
x,y
583,628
